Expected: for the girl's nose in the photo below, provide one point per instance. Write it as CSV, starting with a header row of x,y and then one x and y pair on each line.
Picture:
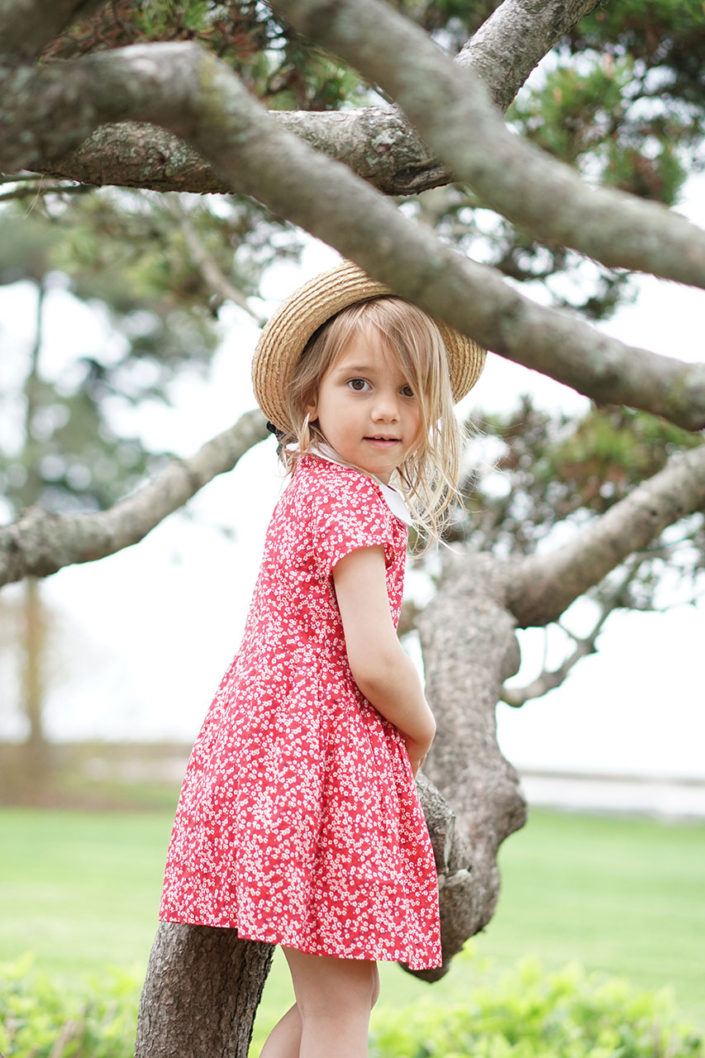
x,y
386,407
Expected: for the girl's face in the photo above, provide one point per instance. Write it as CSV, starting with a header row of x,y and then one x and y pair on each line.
x,y
366,409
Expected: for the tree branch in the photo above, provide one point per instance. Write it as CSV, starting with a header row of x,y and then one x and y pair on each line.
x,y
543,586
512,176
185,88
377,143
26,26
516,36
41,187
549,679
207,264
42,542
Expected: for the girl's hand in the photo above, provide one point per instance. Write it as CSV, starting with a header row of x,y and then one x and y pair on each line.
x,y
417,753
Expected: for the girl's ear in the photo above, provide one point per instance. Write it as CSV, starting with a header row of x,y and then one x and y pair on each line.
x,y
312,410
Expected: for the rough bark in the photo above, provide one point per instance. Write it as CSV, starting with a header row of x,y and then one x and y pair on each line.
x,y
185,87
519,181
377,143
469,650
516,36
42,542
202,990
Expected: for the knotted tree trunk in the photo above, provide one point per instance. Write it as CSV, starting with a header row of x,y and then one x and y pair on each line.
x,y
470,649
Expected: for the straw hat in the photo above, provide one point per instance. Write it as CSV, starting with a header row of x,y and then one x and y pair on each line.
x,y
285,336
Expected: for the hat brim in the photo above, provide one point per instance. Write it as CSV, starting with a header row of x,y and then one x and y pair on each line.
x,y
287,333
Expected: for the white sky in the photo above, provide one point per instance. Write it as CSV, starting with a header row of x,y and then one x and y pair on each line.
x,y
143,636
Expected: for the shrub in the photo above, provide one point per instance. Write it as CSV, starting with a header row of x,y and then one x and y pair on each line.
x,y
527,1014
532,1014
39,1021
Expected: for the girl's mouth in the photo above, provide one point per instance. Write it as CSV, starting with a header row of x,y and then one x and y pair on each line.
x,y
383,442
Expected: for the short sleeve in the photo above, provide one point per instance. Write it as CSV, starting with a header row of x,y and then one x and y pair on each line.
x,y
349,513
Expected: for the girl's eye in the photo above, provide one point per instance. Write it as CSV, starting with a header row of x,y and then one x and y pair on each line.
x,y
407,391
358,384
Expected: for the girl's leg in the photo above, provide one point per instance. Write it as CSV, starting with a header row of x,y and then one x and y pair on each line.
x,y
334,998
284,1041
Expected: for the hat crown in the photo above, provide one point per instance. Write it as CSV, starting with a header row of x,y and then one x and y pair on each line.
x,y
289,330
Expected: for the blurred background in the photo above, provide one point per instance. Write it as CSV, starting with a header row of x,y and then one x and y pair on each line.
x,y
127,324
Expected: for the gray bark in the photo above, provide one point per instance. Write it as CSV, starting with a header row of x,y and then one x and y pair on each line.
x,y
42,542
510,175
469,650
166,83
377,143
513,40
202,990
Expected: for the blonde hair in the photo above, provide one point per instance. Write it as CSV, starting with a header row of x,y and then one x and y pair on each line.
x,y
428,477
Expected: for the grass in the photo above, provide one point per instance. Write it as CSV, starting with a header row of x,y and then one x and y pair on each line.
x,y
620,896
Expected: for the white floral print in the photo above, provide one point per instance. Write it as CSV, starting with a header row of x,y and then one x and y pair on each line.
x,y
299,822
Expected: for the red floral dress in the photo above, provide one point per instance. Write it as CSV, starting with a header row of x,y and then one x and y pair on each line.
x,y
299,822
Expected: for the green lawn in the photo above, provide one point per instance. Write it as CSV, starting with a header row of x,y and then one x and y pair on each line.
x,y
624,897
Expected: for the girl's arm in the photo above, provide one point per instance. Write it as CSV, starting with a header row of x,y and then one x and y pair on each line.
x,y
381,668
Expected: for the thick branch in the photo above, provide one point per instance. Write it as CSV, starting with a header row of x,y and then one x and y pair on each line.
x,y
515,37
377,143
544,585
26,26
41,542
451,109
187,89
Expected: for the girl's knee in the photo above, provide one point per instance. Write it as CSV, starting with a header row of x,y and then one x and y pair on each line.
x,y
329,987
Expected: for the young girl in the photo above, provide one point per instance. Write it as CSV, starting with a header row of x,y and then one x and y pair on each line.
x,y
299,822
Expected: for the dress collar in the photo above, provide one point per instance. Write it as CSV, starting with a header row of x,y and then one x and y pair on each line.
x,y
392,497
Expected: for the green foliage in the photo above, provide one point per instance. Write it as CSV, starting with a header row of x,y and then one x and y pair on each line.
x,y
557,470
669,35
557,467
530,1014
527,1014
38,1021
599,115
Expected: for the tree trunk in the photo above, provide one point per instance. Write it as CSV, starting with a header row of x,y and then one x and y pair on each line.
x,y
33,644
470,649
201,994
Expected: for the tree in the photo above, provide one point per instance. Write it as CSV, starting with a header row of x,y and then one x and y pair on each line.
x,y
153,274
193,73
71,456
